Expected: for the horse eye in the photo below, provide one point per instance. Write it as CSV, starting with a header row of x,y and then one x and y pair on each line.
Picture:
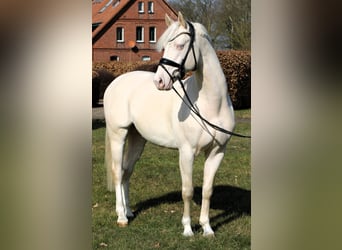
x,y
180,46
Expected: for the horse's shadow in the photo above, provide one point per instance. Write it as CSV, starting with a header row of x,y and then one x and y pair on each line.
x,y
232,201
98,123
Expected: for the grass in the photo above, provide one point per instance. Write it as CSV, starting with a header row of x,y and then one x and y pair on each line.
x,y
157,203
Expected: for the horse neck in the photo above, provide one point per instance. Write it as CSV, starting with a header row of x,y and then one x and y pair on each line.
x,y
210,77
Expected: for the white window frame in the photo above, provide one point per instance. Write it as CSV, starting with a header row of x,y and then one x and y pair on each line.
x,y
142,34
106,6
140,7
122,34
150,7
117,58
154,39
146,58
116,3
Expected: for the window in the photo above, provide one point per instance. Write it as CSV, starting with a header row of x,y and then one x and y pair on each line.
x,y
152,35
114,58
150,7
106,6
140,34
116,3
95,25
146,58
120,34
141,7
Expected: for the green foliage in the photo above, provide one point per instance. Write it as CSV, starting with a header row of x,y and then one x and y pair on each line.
x,y
228,21
157,203
236,66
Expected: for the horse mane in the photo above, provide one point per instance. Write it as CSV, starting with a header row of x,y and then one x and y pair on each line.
x,y
166,36
202,31
170,32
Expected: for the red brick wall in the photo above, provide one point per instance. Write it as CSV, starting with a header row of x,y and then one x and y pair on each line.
x,y
125,55
107,45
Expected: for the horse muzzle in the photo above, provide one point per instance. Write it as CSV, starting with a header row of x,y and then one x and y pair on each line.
x,y
162,84
163,79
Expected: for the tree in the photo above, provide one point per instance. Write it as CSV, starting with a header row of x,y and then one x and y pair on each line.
x,y
236,22
202,11
227,21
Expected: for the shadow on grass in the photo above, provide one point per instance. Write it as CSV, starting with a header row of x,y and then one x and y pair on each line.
x,y
233,201
98,123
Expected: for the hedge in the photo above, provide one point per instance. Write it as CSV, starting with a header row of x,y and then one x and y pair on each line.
x,y
236,66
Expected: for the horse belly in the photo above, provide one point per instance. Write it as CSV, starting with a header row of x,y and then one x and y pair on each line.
x,y
156,134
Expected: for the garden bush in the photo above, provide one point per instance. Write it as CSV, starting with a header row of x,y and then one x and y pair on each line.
x,y
101,78
236,66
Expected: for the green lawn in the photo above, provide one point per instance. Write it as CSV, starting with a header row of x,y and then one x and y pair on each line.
x,y
157,203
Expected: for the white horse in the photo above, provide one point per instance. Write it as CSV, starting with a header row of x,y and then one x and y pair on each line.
x,y
136,110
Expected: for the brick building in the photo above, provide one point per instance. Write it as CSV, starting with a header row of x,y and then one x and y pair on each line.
x,y
127,30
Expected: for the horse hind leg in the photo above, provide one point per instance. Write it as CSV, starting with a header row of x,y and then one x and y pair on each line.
x,y
120,167
115,143
134,147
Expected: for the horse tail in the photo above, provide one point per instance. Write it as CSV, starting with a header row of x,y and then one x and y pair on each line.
x,y
108,164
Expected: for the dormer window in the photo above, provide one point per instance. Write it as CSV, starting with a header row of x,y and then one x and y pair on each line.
x,y
141,7
150,7
95,25
116,3
106,6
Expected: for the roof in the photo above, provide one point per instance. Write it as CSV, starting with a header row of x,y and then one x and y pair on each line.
x,y
106,12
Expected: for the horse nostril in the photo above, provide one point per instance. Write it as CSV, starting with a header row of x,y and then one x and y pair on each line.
x,y
159,83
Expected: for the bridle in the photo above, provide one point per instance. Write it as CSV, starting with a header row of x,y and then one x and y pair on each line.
x,y
180,73
180,67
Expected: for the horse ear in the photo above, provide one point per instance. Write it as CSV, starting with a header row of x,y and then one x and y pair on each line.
x,y
181,19
168,20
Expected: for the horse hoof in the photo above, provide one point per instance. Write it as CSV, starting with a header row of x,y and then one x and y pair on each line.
x,y
209,235
122,224
208,232
188,233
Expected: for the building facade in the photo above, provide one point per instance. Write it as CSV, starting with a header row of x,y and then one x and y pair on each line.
x,y
128,30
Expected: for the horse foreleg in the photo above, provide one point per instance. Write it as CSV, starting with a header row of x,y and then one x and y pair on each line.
x,y
186,158
214,158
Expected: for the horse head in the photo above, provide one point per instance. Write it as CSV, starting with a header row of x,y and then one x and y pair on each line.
x,y
178,42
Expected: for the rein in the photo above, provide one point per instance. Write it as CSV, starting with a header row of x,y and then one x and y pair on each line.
x,y
178,77
191,106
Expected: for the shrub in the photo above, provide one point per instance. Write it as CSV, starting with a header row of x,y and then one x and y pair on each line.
x,y
236,66
101,78
105,72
